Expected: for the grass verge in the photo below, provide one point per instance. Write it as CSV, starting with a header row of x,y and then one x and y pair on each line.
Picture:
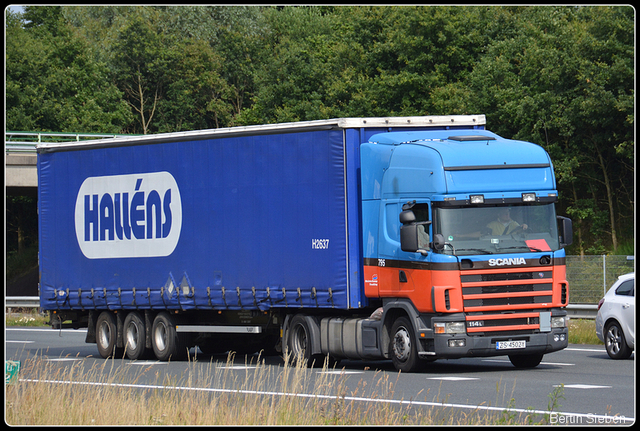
x,y
48,393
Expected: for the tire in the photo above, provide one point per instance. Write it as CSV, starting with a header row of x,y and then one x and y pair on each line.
x,y
615,341
402,347
299,343
107,335
526,361
166,341
134,336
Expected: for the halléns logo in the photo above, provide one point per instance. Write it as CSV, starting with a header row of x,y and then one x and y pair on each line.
x,y
136,215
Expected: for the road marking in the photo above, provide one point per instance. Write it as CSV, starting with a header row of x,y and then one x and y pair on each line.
x,y
18,341
340,372
411,403
239,367
582,386
144,362
63,359
453,378
586,350
47,330
541,363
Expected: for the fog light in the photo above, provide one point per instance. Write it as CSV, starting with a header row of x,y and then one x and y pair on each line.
x,y
457,343
528,197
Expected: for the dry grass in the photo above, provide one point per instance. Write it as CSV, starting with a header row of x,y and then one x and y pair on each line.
x,y
49,393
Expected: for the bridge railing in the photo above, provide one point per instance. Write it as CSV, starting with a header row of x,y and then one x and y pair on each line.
x,y
25,142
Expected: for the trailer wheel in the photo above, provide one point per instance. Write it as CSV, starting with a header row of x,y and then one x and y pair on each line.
x,y
166,341
134,336
526,361
402,346
106,335
299,343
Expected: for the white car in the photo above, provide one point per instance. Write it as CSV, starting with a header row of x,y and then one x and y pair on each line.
x,y
615,322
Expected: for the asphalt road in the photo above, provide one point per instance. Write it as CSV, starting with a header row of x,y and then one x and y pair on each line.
x,y
590,388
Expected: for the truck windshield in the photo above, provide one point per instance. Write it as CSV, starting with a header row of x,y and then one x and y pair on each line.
x,y
497,229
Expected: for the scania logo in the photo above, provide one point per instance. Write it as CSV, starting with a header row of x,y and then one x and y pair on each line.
x,y
508,261
136,215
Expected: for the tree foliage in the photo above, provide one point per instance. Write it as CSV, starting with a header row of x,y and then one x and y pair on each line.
x,y
559,76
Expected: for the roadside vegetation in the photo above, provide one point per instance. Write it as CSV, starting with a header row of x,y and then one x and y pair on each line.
x,y
254,396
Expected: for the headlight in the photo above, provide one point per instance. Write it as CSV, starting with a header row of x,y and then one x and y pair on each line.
x,y
559,321
449,328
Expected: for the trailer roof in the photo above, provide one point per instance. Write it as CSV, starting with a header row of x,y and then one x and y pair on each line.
x,y
335,123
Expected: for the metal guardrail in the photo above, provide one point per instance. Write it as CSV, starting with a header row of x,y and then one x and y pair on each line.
x,y
22,302
25,142
576,311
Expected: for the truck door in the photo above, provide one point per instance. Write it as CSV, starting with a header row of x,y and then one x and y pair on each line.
x,y
402,274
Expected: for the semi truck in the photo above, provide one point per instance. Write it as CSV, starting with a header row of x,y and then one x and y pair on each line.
x,y
402,238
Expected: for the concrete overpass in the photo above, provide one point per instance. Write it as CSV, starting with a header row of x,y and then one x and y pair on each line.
x,y
21,177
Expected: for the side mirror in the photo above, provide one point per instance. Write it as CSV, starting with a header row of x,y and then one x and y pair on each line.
x,y
407,216
438,242
565,231
413,236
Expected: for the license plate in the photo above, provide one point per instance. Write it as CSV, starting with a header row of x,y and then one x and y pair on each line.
x,y
518,344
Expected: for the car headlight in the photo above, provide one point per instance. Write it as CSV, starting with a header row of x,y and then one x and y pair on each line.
x,y
449,328
559,321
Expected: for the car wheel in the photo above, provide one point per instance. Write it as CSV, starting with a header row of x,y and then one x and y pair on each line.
x,y
615,342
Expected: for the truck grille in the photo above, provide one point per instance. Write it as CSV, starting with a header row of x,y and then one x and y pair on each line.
x,y
505,301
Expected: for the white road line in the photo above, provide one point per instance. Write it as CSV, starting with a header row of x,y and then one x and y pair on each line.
x,y
575,349
453,378
64,359
589,416
339,372
46,330
541,363
582,386
19,341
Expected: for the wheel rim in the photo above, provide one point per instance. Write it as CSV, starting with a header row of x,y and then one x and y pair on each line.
x,y
614,340
299,340
132,336
104,334
402,344
160,336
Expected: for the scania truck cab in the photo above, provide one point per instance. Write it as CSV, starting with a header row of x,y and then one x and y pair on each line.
x,y
467,238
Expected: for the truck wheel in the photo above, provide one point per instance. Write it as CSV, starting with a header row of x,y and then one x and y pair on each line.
x,y
299,343
166,341
526,361
106,335
402,346
134,336
615,342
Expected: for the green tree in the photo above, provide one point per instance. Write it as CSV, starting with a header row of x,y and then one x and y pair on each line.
x,y
52,81
564,82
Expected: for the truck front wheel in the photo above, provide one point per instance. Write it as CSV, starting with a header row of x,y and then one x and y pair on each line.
x,y
526,361
402,346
